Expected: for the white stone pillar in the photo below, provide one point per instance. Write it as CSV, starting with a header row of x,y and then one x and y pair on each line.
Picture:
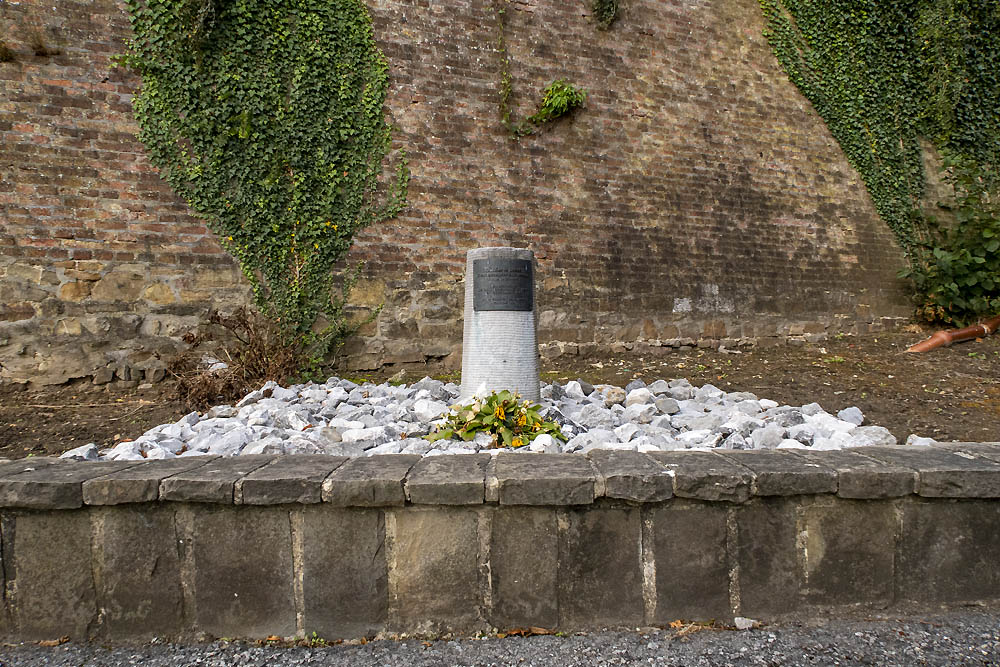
x,y
499,343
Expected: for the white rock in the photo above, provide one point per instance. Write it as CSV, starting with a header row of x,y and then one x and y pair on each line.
x,y
642,395
658,387
767,404
836,440
85,453
640,413
158,453
363,434
230,443
735,441
427,410
593,415
768,437
269,445
748,407
916,440
574,390
626,432
666,405
788,443
126,451
708,392
878,436
852,415
544,443
416,446
394,447
694,438
825,425
612,395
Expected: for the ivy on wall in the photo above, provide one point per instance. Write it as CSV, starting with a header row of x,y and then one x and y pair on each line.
x,y
605,12
266,116
885,74
559,98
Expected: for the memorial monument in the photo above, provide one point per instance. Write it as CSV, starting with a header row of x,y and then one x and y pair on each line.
x,y
500,342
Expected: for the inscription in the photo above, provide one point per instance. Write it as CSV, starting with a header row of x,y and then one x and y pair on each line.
x,y
503,284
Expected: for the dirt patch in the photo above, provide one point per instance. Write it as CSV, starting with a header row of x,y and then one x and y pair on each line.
x,y
948,394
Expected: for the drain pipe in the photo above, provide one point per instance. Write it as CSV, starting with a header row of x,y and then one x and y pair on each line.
x,y
946,338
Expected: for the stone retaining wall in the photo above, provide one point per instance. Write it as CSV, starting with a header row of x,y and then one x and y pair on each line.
x,y
258,546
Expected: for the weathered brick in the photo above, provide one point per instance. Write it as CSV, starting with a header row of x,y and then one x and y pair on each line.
x,y
662,156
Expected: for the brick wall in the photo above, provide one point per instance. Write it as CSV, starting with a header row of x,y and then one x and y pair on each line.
x,y
696,196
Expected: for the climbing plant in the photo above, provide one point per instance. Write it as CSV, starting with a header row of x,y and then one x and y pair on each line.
x,y
605,12
886,74
558,98
266,116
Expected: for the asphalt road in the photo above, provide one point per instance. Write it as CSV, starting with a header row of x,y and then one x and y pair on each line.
x,y
969,637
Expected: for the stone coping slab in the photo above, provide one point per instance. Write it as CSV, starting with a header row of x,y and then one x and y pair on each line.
x,y
952,470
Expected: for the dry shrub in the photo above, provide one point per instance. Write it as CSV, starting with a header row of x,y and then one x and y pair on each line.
x,y
253,350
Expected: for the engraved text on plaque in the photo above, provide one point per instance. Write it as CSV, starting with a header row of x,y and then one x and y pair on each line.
x,y
502,284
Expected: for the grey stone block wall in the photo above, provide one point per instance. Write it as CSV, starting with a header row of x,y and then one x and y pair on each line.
x,y
464,544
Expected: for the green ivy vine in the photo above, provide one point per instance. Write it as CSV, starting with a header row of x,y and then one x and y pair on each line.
x,y
559,98
605,12
885,74
266,116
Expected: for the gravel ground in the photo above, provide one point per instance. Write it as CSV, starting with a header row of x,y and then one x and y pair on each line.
x,y
955,638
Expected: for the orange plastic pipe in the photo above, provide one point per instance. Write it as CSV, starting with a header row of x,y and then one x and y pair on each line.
x,y
946,338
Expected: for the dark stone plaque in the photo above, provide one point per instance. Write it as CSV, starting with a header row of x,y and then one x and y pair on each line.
x,y
503,284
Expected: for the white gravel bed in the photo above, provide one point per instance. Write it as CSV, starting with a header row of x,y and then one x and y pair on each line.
x,y
342,418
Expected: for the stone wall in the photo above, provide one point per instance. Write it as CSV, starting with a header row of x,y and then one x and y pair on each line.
x,y
697,196
466,543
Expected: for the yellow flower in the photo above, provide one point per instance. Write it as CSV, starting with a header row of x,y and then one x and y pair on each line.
x,y
499,413
522,420
516,442
536,427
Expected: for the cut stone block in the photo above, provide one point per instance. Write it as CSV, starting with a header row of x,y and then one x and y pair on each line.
x,y
600,568
846,554
139,484
767,556
214,482
632,476
288,479
706,476
374,481
948,552
861,477
242,560
10,468
343,572
434,571
986,450
138,564
58,486
48,569
781,474
692,574
545,479
944,474
448,480
524,595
